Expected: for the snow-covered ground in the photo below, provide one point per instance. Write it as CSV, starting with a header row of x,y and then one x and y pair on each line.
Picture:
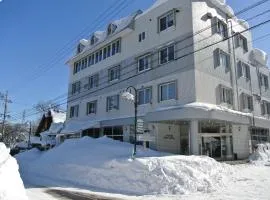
x,y
11,185
104,166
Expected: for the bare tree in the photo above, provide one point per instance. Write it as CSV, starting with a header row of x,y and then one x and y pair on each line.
x,y
44,106
14,133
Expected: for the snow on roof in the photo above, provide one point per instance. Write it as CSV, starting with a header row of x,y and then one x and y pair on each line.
x,y
155,5
56,128
260,56
35,140
58,116
75,126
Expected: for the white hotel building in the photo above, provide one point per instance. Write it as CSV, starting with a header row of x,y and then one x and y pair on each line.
x,y
204,101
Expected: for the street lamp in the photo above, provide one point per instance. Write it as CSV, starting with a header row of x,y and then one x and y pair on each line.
x,y
133,98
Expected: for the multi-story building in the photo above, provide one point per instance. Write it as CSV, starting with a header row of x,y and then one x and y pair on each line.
x,y
202,87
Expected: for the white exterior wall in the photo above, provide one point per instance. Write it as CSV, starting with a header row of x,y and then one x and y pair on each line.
x,y
241,141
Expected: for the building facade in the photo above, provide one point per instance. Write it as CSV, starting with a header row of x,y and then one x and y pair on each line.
x,y
202,87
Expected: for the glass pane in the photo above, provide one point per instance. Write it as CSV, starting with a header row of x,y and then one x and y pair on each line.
x,y
171,53
162,24
141,97
113,48
163,56
163,92
141,64
148,95
172,91
170,19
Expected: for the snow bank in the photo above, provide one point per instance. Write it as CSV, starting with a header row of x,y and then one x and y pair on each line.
x,y
11,185
261,156
105,165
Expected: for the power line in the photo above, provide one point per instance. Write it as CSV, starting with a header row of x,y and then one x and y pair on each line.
x,y
204,29
191,53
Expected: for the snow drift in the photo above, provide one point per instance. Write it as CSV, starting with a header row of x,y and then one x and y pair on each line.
x,y
261,156
105,165
11,185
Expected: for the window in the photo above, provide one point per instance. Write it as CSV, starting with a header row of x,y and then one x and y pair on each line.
x,y
226,95
145,96
76,68
221,59
241,41
220,27
166,54
93,81
84,63
115,132
74,111
243,70
93,40
167,91
259,135
118,46
265,108
91,107
109,51
100,55
96,61
166,21
264,81
114,73
113,102
90,61
105,53
141,36
247,102
144,63
76,87
111,29
113,49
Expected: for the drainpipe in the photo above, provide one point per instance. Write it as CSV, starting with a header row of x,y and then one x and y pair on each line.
x,y
233,60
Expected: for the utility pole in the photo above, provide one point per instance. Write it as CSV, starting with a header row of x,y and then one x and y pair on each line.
x,y
4,97
30,132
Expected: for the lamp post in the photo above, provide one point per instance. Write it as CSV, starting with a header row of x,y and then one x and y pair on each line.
x,y
133,98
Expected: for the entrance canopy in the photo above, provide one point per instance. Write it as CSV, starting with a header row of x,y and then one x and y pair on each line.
x,y
76,126
198,111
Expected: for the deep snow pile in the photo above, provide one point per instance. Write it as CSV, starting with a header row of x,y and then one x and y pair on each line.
x,y
11,185
105,165
261,156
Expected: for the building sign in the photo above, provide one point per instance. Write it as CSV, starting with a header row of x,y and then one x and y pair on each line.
x,y
146,137
169,137
140,128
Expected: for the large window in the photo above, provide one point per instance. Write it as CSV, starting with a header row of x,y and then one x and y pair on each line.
x,y
221,59
243,70
167,91
115,132
93,81
166,21
114,73
113,102
144,96
260,135
91,107
77,67
166,54
74,111
226,95
76,87
141,36
144,63
247,102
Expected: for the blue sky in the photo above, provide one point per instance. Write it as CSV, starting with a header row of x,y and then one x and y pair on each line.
x,y
37,37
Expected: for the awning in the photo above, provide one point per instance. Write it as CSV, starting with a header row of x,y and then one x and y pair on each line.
x,y
198,111
76,126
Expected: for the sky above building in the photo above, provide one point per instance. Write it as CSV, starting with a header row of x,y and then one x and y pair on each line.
x,y
38,37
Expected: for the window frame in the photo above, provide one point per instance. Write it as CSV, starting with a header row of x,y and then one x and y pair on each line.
x,y
72,113
146,56
167,54
166,15
144,96
118,68
88,108
114,107
160,99
92,79
226,95
76,87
